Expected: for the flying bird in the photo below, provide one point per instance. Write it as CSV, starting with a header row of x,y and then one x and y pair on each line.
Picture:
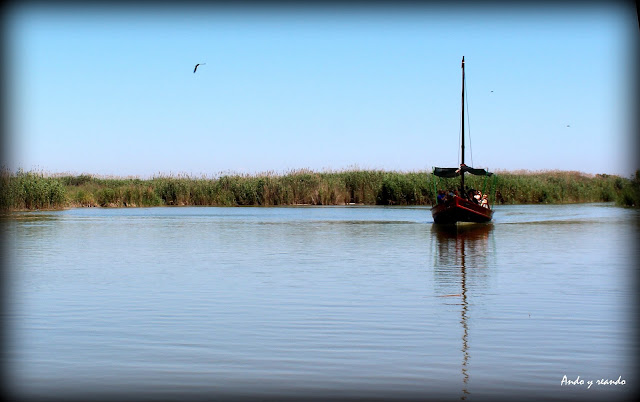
x,y
196,67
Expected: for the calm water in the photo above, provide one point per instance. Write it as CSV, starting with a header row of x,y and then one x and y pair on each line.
x,y
320,301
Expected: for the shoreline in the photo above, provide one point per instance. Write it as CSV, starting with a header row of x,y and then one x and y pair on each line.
x,y
66,208
29,191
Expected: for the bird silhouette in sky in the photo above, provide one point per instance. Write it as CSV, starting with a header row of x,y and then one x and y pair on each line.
x,y
196,67
568,125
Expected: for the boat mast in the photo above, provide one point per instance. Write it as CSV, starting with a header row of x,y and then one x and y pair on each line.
x,y
462,172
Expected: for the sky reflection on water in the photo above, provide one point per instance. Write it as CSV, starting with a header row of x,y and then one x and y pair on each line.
x,y
334,301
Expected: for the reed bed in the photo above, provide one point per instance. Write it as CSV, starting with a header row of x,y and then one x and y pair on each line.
x,y
30,191
37,190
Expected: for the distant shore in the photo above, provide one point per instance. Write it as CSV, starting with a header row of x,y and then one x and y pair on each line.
x,y
36,190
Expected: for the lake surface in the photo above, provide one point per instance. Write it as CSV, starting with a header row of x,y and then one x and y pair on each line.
x,y
183,302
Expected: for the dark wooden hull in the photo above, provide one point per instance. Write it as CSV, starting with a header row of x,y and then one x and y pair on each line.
x,y
460,210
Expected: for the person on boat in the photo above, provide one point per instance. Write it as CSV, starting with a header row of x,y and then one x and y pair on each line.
x,y
468,193
477,197
441,196
485,201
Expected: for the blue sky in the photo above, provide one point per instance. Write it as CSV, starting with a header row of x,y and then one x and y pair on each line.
x,y
110,90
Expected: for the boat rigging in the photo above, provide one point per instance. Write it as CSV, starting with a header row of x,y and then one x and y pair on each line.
x,y
463,204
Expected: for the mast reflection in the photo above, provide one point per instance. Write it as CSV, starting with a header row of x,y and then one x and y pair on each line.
x,y
459,249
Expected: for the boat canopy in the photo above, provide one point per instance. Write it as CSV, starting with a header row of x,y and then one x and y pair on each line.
x,y
454,172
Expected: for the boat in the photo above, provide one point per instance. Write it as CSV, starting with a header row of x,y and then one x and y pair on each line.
x,y
458,205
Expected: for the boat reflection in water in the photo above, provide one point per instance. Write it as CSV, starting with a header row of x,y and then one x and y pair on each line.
x,y
461,255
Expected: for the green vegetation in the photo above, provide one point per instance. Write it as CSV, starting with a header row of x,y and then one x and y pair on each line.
x,y
34,190
558,187
30,191
630,191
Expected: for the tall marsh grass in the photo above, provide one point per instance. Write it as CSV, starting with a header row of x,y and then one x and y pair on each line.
x,y
30,190
558,187
33,190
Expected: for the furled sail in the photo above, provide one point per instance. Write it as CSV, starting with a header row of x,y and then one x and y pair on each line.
x,y
454,172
